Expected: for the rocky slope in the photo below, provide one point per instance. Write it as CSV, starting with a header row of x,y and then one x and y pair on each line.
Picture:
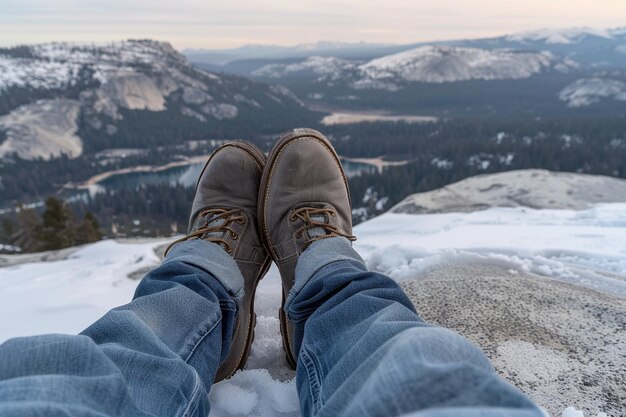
x,y
54,97
532,188
561,344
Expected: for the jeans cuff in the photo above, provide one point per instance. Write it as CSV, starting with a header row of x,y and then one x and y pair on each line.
x,y
211,258
321,253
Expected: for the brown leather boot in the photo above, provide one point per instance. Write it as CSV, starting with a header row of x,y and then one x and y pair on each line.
x,y
224,211
303,197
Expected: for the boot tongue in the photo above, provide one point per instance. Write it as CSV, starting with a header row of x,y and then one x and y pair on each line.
x,y
213,221
317,231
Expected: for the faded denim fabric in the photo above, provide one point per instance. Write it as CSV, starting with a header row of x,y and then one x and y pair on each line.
x,y
363,349
156,356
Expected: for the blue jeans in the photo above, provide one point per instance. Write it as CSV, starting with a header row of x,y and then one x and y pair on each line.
x,y
363,349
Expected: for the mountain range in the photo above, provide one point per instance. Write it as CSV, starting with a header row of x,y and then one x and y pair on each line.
x,y
598,47
426,64
570,71
67,99
70,112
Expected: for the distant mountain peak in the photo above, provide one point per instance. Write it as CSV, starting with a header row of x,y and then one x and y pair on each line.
x,y
57,64
427,64
440,64
564,36
50,93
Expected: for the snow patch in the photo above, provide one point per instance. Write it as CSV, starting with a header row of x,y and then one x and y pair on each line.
x,y
588,91
580,247
66,296
254,393
56,65
573,412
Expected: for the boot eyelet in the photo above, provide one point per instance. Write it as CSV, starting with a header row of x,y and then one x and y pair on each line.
x,y
234,236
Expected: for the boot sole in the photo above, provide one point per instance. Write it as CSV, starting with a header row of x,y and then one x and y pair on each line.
x,y
263,189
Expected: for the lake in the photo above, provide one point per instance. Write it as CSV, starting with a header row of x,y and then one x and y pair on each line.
x,y
188,175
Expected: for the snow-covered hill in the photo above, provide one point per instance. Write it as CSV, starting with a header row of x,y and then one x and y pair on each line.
x,y
588,91
566,36
318,65
51,94
58,65
521,264
593,48
426,64
439,64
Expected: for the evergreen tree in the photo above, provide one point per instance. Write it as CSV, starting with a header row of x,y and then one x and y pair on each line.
x,y
58,228
88,230
8,229
28,236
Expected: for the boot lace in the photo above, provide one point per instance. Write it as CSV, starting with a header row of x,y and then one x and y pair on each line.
x,y
310,216
214,230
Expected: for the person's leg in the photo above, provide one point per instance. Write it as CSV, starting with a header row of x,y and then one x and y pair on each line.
x,y
190,323
364,351
359,346
156,356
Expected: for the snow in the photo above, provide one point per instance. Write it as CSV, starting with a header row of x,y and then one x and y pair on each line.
x,y
588,91
429,64
18,72
380,204
581,247
319,65
481,161
9,248
441,64
573,412
442,163
66,296
585,248
561,36
56,65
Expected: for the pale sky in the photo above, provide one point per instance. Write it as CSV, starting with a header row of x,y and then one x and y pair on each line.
x,y
231,23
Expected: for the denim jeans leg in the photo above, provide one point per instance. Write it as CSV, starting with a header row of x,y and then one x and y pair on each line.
x,y
364,351
156,356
